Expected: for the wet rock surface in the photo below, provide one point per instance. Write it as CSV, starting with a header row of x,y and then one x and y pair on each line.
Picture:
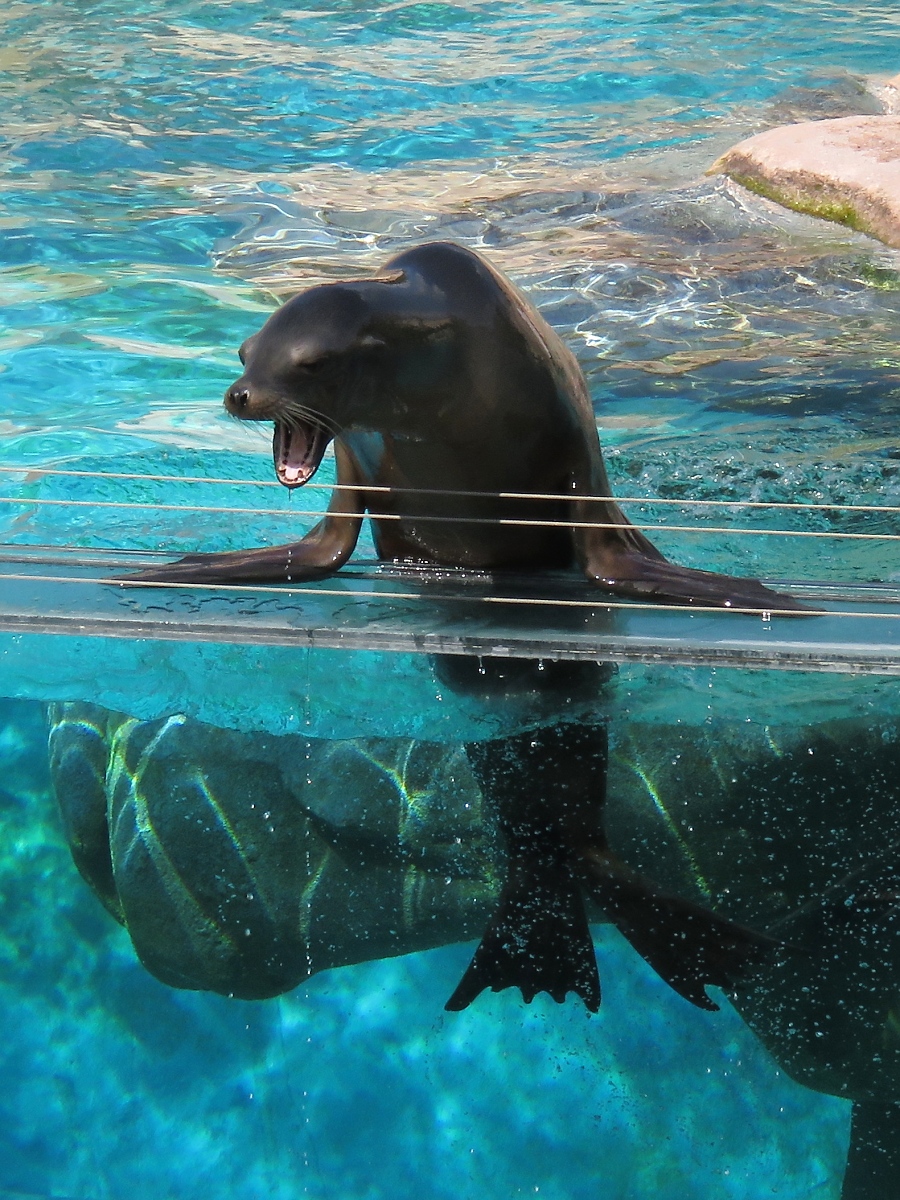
x,y
845,170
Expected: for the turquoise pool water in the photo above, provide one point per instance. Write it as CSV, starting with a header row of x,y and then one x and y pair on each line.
x,y
165,180
170,173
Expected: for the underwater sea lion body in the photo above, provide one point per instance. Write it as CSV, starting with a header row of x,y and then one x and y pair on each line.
x,y
438,381
548,789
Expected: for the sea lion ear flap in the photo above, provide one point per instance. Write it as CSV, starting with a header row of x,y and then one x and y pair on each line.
x,y
246,348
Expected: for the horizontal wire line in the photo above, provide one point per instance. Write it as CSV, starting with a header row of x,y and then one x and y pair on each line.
x,y
381,488
130,505
352,593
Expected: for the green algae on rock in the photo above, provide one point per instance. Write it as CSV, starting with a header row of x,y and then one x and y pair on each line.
x,y
845,170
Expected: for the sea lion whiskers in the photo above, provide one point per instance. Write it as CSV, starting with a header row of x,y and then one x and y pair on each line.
x,y
294,415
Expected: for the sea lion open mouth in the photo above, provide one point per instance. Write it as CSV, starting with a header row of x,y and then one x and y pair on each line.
x,y
298,450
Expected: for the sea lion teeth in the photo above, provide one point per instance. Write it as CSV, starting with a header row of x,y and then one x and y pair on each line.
x,y
297,451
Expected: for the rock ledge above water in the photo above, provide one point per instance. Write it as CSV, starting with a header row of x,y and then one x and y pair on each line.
x,y
845,170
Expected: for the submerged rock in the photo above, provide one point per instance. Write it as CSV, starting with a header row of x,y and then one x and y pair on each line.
x,y
844,96
845,170
887,93
244,863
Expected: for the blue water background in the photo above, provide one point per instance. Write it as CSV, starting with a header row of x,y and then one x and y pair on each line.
x,y
166,178
358,1084
168,173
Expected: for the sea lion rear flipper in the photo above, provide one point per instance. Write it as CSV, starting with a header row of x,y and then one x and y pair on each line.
x,y
687,945
538,940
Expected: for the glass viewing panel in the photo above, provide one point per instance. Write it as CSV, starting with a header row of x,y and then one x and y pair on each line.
x,y
289,852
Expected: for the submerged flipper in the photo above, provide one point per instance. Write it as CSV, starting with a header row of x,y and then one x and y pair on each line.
x,y
548,788
687,945
538,940
538,783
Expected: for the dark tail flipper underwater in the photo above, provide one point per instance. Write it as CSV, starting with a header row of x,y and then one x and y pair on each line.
x,y
538,940
687,945
548,788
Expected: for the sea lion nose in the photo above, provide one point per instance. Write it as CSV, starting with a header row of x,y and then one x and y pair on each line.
x,y
237,398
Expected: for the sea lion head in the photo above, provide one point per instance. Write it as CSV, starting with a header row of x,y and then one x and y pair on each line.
x,y
301,371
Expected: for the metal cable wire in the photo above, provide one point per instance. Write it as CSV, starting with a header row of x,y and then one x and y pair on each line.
x,y
559,496
465,520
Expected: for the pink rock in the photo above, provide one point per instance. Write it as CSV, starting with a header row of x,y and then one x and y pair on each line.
x,y
889,94
846,170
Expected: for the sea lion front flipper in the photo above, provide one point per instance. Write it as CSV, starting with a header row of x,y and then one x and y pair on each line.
x,y
687,945
538,940
617,556
322,552
636,575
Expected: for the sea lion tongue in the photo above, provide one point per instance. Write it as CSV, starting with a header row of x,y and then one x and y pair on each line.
x,y
297,450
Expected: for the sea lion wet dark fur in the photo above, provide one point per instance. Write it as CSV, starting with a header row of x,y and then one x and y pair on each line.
x,y
438,380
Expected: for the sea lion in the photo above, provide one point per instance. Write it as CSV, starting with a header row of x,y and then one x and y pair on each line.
x,y
437,379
